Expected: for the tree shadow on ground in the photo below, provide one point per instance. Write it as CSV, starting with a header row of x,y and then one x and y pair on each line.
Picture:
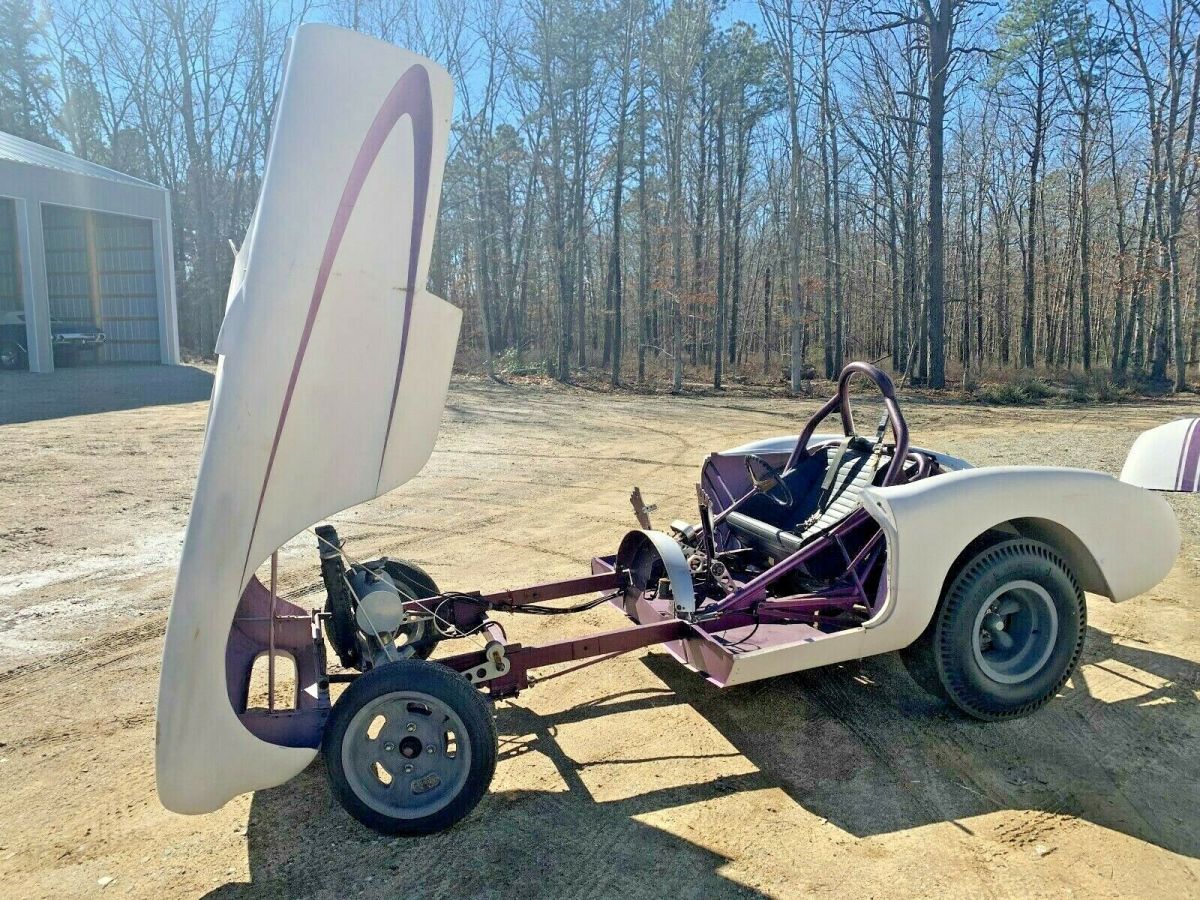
x,y
857,744
83,390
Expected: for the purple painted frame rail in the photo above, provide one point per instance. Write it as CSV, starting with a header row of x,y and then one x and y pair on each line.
x,y
701,642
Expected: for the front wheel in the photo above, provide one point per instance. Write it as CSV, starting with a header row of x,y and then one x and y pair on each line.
x,y
11,355
410,748
1007,635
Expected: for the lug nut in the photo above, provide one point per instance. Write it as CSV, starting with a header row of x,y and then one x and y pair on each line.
x,y
428,749
408,769
412,726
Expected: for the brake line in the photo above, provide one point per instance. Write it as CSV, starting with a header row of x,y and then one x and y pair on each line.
x,y
527,608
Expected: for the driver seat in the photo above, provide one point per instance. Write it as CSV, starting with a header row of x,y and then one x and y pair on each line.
x,y
851,467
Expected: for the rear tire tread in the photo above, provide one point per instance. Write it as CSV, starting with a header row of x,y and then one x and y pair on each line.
x,y
944,652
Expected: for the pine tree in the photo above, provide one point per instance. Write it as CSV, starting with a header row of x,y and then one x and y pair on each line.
x,y
25,83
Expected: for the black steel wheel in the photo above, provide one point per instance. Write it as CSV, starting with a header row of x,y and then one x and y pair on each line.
x,y
1007,634
410,748
11,355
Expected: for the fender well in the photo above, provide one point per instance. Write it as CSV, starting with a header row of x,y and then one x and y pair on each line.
x,y
1073,551
1054,534
647,553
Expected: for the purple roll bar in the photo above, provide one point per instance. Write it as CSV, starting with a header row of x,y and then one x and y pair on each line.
x,y
841,402
755,590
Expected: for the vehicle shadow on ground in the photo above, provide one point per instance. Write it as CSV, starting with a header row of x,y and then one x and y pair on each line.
x,y
859,745
83,390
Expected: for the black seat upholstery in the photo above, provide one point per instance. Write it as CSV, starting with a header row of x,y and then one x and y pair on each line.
x,y
756,533
857,467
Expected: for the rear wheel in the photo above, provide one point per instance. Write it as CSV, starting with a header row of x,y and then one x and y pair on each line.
x,y
410,748
1007,635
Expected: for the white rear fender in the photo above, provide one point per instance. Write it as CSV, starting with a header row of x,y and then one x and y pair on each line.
x,y
1166,458
1119,540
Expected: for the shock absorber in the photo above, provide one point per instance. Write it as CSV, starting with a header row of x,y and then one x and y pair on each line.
x,y
339,601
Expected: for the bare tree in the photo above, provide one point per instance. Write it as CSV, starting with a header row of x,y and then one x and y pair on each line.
x,y
862,154
1165,49
781,21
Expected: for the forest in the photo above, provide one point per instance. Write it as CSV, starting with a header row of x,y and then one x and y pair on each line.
x,y
660,191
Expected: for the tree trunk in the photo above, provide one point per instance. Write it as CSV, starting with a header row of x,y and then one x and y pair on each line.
x,y
643,222
1029,263
739,193
719,313
940,28
767,322
615,277
1085,240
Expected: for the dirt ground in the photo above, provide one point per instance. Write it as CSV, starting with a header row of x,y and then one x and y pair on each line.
x,y
631,778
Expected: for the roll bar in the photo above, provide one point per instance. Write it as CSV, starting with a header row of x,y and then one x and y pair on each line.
x,y
841,403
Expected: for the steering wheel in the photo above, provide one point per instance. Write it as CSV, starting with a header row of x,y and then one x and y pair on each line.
x,y
768,480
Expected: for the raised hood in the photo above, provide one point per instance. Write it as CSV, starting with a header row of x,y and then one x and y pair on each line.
x,y
334,366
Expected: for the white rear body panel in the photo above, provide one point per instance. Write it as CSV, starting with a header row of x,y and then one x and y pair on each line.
x,y
1118,539
1166,458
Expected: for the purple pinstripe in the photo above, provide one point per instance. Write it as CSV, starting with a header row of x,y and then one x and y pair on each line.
x,y
411,96
1189,459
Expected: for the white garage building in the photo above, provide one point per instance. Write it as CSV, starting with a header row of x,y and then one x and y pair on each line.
x,y
83,246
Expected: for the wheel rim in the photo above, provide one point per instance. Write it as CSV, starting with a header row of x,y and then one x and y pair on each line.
x,y
1015,632
408,637
406,754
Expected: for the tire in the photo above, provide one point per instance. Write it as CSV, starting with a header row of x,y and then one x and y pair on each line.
x,y
66,356
411,578
921,665
12,357
422,703
1007,634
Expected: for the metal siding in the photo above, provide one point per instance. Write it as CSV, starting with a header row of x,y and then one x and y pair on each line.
x,y
125,270
128,287
10,272
66,265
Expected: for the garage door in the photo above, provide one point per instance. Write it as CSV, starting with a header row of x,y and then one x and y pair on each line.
x,y
10,274
100,270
